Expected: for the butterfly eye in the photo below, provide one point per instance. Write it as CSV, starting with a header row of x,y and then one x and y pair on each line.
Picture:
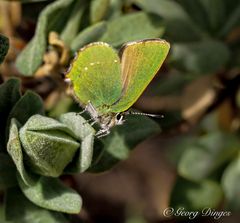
x,y
118,117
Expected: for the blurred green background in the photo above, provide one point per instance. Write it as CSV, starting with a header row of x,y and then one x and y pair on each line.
x,y
194,161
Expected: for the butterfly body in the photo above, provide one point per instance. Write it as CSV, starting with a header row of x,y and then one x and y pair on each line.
x,y
107,84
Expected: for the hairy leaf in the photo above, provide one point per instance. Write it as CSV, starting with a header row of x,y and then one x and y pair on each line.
x,y
85,134
90,34
51,194
14,149
51,19
195,196
4,46
132,27
9,95
20,210
123,139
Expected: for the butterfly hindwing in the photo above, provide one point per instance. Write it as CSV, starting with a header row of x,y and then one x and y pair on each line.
x,y
140,61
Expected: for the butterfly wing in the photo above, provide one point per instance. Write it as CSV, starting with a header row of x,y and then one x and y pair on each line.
x,y
96,75
140,61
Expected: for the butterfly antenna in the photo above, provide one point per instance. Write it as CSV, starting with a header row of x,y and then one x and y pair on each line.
x,y
144,114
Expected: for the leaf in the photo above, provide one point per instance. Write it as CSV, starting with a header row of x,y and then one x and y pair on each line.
x,y
51,194
29,104
203,57
2,215
232,22
72,27
195,196
179,26
123,139
21,210
88,35
230,184
115,9
215,11
85,134
4,46
7,172
9,95
14,149
98,10
48,144
196,12
132,27
51,18
207,154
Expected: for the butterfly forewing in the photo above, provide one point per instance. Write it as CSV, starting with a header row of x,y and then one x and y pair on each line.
x,y
140,61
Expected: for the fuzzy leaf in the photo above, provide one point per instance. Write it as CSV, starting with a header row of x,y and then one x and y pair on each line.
x,y
195,196
230,183
88,35
179,26
4,46
206,155
29,104
51,18
98,10
48,144
85,134
72,27
51,194
14,149
132,27
215,11
20,210
7,172
9,95
200,57
232,22
196,12
123,139
115,9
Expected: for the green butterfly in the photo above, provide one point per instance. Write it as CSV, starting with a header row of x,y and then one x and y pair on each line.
x,y
107,83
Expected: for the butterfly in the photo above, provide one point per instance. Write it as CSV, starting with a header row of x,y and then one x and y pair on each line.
x,y
107,83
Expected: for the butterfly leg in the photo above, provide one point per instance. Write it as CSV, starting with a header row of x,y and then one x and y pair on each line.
x,y
94,122
85,108
102,132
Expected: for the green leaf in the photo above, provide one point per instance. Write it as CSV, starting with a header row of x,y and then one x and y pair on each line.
x,y
195,196
179,26
51,194
53,17
230,184
123,139
85,134
132,27
88,35
2,215
48,144
72,27
9,95
7,172
215,11
4,46
20,210
232,22
207,154
98,10
14,149
115,9
203,57
29,104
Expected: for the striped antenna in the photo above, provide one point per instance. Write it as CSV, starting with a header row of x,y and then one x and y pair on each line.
x,y
143,114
